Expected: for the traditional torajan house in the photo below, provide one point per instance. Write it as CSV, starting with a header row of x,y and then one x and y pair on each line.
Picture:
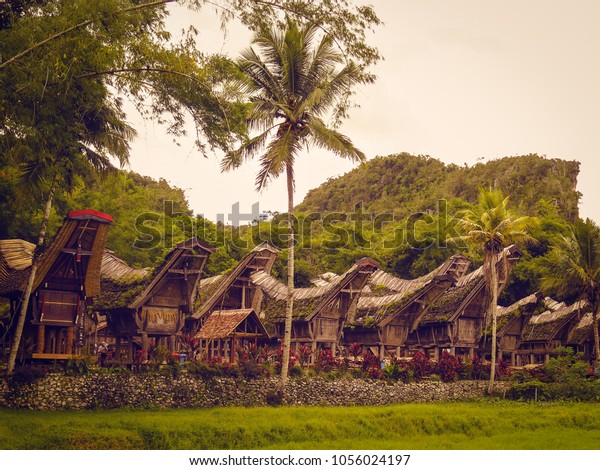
x,y
224,331
456,321
549,330
150,306
320,312
234,290
510,322
390,308
581,337
66,280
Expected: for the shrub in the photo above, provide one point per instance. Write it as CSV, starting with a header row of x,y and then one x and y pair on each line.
x,y
371,365
530,390
503,369
26,375
448,367
397,370
325,361
304,354
296,371
420,365
77,366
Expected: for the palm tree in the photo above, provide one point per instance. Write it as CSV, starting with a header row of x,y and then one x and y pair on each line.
x,y
293,83
491,225
572,268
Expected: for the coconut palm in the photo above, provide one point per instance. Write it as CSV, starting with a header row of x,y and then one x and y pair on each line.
x,y
294,83
572,269
492,226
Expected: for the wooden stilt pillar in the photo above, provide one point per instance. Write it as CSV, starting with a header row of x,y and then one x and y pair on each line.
x,y
145,342
118,349
172,343
69,340
232,352
41,338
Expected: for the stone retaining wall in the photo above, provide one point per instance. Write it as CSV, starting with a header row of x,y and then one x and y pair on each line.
x,y
57,391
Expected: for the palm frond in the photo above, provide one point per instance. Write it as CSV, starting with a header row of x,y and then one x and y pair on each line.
x,y
333,141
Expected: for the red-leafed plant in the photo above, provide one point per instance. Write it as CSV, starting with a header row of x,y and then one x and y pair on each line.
x,y
421,365
448,367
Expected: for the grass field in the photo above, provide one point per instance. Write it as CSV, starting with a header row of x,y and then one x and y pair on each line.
x,y
483,425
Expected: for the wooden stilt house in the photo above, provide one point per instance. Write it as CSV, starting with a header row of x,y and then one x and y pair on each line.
x,y
66,280
234,290
224,331
320,313
549,330
456,321
581,337
149,307
390,308
510,323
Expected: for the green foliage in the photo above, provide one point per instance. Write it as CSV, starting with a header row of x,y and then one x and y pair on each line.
x,y
563,377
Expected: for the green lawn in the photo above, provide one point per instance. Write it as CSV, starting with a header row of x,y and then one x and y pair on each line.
x,y
484,425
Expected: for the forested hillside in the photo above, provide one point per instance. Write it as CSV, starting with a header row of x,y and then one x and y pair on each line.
x,y
405,184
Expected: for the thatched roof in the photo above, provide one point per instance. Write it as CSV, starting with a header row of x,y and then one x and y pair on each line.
x,y
402,293
127,287
80,240
469,288
546,325
309,301
506,315
583,331
15,259
223,324
261,258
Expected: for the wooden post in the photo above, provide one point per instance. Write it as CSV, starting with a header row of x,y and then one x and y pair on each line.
x,y
118,349
145,341
41,338
70,338
232,352
172,339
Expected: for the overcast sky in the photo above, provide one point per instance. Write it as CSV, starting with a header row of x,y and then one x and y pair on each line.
x,y
462,81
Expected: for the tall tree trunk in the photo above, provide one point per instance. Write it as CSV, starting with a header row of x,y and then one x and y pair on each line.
x,y
14,348
287,336
596,336
493,309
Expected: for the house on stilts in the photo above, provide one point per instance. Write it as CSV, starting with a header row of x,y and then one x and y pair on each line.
x,y
145,308
227,314
456,321
319,312
390,308
549,330
66,281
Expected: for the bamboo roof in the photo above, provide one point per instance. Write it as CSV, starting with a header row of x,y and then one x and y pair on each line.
x,y
308,301
469,288
15,259
223,324
505,316
401,293
546,325
127,287
80,239
260,258
583,331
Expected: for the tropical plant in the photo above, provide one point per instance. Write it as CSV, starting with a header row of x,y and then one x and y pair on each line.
x,y
572,269
491,226
293,83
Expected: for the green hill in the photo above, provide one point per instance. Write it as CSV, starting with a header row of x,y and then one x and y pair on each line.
x,y
405,184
